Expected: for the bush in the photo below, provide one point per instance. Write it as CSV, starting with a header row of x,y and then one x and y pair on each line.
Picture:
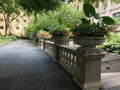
x,y
11,37
61,19
8,37
111,44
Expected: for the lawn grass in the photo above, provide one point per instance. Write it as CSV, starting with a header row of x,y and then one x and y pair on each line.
x,y
6,39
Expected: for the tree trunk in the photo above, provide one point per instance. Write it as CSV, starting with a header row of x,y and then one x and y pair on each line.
x,y
5,30
35,18
5,33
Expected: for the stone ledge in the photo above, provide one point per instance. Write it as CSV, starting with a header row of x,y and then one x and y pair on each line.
x,y
111,56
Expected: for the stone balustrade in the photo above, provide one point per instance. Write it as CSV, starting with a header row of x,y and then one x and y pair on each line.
x,y
84,64
67,58
49,48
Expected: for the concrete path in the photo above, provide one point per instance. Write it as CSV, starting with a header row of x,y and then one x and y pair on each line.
x,y
24,66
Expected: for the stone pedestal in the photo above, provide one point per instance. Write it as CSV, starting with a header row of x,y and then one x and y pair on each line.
x,y
41,43
88,76
58,40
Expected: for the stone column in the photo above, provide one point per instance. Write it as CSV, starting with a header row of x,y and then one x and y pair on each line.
x,y
88,74
41,43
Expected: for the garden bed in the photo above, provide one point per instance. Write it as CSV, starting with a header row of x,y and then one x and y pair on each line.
x,y
6,39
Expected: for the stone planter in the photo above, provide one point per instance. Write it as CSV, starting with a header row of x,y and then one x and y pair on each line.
x,y
91,42
41,43
59,39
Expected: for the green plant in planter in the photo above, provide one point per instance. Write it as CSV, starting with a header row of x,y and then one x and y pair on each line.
x,y
43,34
93,25
62,29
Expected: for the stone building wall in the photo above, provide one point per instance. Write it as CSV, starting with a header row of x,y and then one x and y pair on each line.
x,y
109,9
17,27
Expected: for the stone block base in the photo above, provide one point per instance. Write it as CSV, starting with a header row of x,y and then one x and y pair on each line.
x,y
88,86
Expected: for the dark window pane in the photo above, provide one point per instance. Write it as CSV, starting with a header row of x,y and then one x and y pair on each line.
x,y
1,19
116,14
1,27
17,28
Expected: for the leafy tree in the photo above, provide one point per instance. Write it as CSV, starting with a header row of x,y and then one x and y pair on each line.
x,y
61,19
10,11
36,6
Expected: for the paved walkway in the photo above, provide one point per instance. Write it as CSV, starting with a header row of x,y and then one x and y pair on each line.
x,y
24,66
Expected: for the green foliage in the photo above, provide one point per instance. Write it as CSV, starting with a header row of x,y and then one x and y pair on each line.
x,y
117,20
10,37
6,39
60,20
39,5
30,31
93,25
35,6
111,44
107,20
89,10
10,10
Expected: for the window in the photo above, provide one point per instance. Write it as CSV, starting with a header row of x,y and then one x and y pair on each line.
x,y
116,14
17,20
17,28
24,21
1,19
1,27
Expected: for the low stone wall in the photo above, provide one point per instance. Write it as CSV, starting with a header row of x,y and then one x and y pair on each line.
x,y
110,63
67,58
84,64
49,48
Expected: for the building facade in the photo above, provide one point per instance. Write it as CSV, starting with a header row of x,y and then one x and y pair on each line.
x,y
17,26
110,9
106,9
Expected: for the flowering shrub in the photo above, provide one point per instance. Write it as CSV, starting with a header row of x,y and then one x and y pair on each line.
x,y
43,34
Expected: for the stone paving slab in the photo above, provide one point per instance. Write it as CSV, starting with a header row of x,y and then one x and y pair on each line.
x,y
28,82
5,83
58,81
24,66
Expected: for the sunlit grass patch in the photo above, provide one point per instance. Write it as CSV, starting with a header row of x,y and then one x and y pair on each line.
x,y
6,39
